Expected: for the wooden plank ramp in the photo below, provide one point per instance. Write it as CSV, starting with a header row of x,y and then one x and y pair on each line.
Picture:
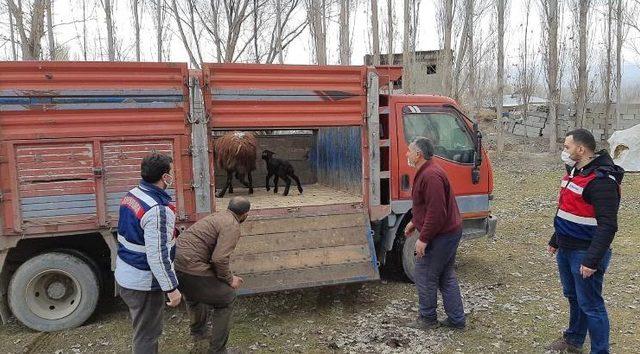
x,y
290,252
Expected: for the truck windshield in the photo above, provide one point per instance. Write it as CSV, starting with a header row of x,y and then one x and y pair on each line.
x,y
450,138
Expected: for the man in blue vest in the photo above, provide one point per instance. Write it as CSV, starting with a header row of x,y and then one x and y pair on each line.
x,y
144,267
585,224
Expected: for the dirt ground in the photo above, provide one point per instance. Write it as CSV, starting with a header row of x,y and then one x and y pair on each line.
x,y
510,286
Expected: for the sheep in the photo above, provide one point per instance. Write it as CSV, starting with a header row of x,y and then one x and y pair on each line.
x,y
236,153
279,168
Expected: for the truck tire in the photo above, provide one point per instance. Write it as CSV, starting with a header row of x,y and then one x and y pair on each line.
x,y
53,291
409,257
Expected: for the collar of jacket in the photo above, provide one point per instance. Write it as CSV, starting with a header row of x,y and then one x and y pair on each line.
x,y
156,191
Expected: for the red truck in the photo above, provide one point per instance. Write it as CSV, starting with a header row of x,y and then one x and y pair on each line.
x,y
72,136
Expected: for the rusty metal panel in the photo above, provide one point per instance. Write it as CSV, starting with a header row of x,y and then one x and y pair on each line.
x,y
289,252
88,99
55,180
286,96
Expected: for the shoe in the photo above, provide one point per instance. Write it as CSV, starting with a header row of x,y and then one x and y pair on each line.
x,y
560,345
421,323
450,324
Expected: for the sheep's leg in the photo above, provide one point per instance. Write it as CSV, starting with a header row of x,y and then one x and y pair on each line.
x,y
267,182
250,182
295,178
226,185
287,182
275,184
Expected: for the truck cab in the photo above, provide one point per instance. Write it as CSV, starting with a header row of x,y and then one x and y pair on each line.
x,y
458,150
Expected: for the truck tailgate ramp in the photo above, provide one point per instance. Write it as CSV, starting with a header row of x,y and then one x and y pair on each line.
x,y
307,248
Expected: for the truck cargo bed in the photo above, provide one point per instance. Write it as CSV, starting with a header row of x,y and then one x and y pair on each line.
x,y
313,195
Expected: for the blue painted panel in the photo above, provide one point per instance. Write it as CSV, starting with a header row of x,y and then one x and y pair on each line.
x,y
338,158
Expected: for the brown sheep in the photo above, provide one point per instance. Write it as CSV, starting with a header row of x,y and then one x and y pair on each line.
x,y
235,152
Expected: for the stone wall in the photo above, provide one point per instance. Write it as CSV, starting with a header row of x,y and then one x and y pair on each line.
x,y
534,124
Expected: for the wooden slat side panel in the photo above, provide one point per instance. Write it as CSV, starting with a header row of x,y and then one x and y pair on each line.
x,y
304,258
299,224
122,162
308,277
285,241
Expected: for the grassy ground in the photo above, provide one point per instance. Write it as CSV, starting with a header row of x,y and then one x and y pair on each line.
x,y
509,283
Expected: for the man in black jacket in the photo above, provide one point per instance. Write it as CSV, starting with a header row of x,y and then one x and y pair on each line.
x,y
585,224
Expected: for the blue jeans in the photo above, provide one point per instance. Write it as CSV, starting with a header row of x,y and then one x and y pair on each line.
x,y
586,305
435,271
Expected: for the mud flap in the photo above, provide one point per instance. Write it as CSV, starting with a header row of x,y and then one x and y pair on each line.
x,y
305,250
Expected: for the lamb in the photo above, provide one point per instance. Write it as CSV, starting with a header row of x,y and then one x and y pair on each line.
x,y
279,168
235,152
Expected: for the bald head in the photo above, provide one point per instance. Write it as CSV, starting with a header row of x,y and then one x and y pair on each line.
x,y
239,205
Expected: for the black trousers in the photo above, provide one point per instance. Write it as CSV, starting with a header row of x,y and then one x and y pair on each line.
x,y
202,294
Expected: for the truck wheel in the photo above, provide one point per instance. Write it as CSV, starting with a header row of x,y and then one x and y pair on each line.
x,y
409,257
53,291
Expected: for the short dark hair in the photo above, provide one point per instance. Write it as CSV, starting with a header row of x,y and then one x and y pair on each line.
x,y
583,137
425,146
154,166
239,205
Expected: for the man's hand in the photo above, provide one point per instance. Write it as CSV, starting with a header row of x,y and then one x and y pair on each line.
x,y
420,248
586,272
551,250
408,230
236,282
174,298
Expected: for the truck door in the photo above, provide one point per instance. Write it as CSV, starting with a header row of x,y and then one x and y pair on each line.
x,y
455,149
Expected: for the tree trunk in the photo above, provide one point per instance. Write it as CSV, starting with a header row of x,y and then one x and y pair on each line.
x,y
390,34
256,48
345,50
472,61
52,43
317,24
500,76
551,11
14,50
111,51
160,24
406,49
375,32
447,58
582,64
525,89
84,29
608,71
136,27
279,31
619,39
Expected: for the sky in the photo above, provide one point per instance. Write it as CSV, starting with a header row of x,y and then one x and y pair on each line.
x,y
300,51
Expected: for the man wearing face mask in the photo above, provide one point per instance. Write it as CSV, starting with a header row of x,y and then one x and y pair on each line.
x,y
438,221
202,264
585,224
144,268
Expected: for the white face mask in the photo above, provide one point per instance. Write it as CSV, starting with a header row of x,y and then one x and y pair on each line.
x,y
410,163
566,158
168,183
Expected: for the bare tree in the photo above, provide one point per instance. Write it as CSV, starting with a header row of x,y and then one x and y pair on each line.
x,y
159,24
550,24
472,60
375,32
136,26
500,4
608,67
390,32
345,45
445,25
526,69
84,29
279,31
29,41
317,15
407,41
50,37
111,46
287,29
12,37
581,90
619,40
174,8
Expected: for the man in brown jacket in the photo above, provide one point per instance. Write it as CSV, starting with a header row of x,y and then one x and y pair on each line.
x,y
202,267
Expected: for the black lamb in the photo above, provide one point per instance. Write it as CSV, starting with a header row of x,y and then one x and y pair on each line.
x,y
279,168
